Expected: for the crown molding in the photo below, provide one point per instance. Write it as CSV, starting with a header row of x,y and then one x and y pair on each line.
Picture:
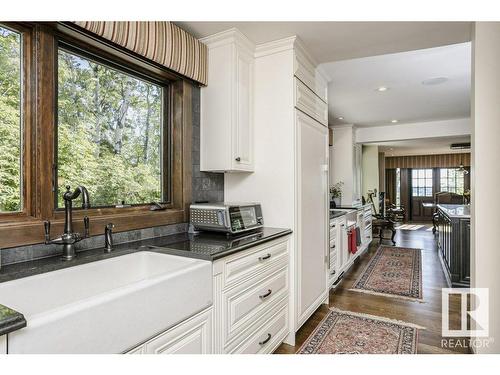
x,y
229,36
276,46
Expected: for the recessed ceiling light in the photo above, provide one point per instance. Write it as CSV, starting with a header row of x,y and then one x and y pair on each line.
x,y
434,81
394,121
340,118
382,88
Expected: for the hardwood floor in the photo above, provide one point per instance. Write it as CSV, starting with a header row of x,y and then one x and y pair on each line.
x,y
427,314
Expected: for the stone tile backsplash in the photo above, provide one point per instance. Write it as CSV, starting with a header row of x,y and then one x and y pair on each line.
x,y
39,251
205,187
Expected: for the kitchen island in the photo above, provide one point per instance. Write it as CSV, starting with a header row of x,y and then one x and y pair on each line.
x,y
454,243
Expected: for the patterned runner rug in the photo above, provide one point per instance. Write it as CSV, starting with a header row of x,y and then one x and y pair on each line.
x,y
393,272
343,332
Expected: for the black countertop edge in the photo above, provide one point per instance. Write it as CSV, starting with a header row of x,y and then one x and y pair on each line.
x,y
268,238
10,320
337,214
158,244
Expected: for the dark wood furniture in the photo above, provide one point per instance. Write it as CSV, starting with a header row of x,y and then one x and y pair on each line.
x,y
454,242
383,224
443,197
396,213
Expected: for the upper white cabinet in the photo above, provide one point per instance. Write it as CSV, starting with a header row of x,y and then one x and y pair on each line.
x,y
305,69
227,131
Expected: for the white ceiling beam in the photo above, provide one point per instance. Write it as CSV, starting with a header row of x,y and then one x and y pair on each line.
x,y
417,130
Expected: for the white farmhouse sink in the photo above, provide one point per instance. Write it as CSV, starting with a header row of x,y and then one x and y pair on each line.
x,y
107,306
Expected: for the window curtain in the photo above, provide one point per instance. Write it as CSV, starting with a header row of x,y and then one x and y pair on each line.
x,y
161,41
428,161
390,185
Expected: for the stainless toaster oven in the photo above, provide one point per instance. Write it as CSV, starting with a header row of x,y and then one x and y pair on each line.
x,y
232,218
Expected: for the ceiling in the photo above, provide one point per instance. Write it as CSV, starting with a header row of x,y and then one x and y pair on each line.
x,y
422,146
333,41
353,91
361,56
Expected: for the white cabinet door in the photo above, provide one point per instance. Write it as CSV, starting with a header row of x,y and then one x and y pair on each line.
x,y
312,215
192,336
243,126
226,128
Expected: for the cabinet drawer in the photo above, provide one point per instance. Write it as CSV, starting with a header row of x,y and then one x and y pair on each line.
x,y
247,264
308,102
266,339
245,303
194,336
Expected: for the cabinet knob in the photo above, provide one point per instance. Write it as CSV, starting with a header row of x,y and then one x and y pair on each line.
x,y
238,159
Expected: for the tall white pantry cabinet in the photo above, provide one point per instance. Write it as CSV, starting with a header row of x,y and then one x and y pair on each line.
x,y
290,159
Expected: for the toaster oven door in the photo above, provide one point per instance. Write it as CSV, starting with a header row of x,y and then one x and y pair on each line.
x,y
244,218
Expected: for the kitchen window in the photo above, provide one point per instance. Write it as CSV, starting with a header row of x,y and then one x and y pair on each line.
x,y
75,110
421,182
451,180
111,130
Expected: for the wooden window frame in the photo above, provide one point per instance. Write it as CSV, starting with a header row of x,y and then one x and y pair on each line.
x,y
41,116
27,212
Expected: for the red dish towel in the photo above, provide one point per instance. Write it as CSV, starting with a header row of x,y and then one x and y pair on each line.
x,y
349,241
353,245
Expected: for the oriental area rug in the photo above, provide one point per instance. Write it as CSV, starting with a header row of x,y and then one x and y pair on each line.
x,y
394,272
343,332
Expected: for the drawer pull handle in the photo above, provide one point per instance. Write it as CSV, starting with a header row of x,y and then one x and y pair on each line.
x,y
265,257
264,296
332,247
266,340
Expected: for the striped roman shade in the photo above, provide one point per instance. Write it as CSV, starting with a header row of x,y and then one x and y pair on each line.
x,y
428,161
161,41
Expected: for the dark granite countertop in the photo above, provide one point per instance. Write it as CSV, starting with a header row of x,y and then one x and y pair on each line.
x,y
455,210
204,245
212,246
334,213
10,320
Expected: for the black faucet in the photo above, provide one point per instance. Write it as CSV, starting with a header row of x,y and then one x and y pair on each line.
x,y
108,237
69,238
